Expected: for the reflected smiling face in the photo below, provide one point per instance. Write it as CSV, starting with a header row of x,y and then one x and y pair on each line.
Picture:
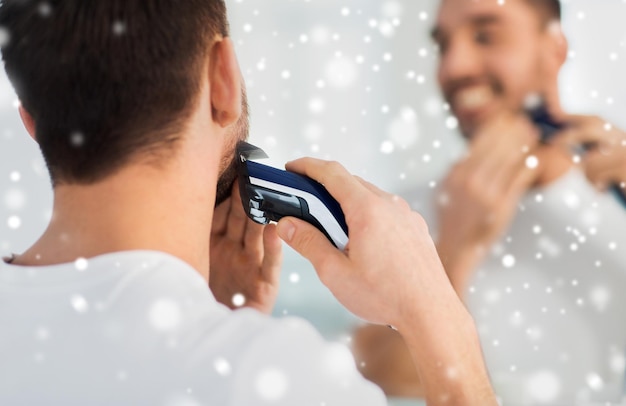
x,y
492,57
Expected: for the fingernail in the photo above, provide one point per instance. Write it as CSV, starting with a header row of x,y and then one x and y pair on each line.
x,y
286,230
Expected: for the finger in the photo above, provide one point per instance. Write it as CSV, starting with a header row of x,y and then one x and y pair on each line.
x,y
581,120
497,161
502,169
272,255
521,182
505,127
582,130
237,219
527,158
344,187
309,242
381,193
220,217
253,237
373,188
507,136
602,169
575,138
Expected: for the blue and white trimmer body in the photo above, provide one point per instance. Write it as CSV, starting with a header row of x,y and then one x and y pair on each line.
x,y
269,194
548,128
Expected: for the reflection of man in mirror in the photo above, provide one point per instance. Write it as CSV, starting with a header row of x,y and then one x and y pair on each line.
x,y
528,232
137,106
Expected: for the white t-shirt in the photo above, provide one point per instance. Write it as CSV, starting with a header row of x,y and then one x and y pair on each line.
x,y
142,328
549,301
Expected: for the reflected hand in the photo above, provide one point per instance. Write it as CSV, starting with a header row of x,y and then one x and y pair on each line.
x,y
479,196
390,273
604,162
245,257
383,358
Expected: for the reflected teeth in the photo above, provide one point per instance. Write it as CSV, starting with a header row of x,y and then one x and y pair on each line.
x,y
473,98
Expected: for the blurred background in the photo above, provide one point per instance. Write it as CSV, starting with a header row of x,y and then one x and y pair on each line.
x,y
351,81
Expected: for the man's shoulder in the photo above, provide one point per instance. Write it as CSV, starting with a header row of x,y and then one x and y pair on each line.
x,y
151,318
291,354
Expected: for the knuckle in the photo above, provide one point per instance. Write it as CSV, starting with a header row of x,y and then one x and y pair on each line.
x,y
401,204
324,273
361,217
455,180
596,121
420,222
377,206
490,200
333,166
304,241
474,185
332,170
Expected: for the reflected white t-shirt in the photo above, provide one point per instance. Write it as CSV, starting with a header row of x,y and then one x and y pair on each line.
x,y
142,328
549,301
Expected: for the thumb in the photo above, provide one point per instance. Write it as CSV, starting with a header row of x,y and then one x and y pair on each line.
x,y
272,255
309,242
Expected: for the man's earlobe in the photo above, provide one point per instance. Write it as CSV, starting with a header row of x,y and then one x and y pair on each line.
x,y
225,81
555,55
28,121
559,41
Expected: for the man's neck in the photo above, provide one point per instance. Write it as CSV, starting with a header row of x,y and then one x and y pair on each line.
x,y
140,208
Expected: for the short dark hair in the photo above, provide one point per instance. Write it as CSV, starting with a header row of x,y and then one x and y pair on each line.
x,y
550,10
107,81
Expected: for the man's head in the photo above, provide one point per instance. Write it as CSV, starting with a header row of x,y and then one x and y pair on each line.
x,y
110,82
495,54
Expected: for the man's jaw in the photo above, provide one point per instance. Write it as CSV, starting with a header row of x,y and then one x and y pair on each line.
x,y
472,104
225,182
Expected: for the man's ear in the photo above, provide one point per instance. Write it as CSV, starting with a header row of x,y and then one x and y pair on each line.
x,y
225,83
555,55
28,121
557,43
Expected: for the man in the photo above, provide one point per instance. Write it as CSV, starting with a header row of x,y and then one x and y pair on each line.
x,y
527,242
137,106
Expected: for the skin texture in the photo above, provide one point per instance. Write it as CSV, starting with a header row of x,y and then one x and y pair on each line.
x,y
406,288
245,257
125,200
507,54
605,163
170,208
492,58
